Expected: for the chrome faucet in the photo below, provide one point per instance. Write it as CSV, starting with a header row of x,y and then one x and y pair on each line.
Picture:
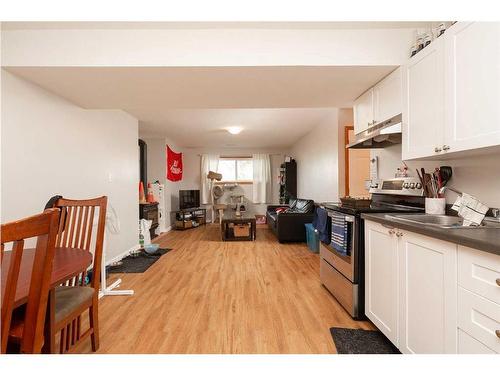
x,y
444,188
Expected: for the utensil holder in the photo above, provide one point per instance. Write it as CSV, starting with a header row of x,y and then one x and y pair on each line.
x,y
435,206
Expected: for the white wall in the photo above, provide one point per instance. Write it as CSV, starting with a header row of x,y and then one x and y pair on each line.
x,y
476,175
205,47
191,175
317,161
50,146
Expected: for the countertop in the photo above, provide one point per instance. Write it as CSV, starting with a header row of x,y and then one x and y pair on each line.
x,y
482,239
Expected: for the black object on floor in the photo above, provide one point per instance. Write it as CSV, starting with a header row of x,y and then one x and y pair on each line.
x,y
360,341
137,264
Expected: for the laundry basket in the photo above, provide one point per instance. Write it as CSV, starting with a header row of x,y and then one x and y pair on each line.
x,y
312,238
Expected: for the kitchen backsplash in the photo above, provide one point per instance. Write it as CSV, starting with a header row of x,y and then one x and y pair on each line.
x,y
476,175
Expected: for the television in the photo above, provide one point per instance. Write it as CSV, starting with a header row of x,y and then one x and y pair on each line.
x,y
189,199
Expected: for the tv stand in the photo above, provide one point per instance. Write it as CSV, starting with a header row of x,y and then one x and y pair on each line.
x,y
190,218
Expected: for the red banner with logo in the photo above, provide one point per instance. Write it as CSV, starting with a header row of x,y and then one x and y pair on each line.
x,y
174,165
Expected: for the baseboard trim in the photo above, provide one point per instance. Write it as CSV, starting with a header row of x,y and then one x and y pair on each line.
x,y
134,248
122,255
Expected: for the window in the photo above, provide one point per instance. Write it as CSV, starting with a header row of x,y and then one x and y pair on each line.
x,y
236,169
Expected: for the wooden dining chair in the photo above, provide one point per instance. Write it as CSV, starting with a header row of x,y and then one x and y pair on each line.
x,y
76,230
29,330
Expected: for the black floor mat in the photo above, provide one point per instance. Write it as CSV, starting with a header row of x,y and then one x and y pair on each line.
x,y
360,341
137,264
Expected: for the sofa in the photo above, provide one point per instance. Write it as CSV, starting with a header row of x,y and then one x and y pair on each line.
x,y
287,221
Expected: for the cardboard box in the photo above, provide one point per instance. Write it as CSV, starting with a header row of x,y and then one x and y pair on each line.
x,y
242,230
185,224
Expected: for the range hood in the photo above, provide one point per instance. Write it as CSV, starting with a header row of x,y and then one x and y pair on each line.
x,y
382,135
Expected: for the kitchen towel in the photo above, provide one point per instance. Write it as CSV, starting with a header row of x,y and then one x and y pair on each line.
x,y
340,234
470,209
322,224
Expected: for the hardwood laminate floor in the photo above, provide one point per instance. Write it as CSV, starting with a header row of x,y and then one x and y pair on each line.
x,y
208,296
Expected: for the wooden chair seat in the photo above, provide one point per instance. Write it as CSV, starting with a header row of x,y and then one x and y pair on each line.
x,y
69,299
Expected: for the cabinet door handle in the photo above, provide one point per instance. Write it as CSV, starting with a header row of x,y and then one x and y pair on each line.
x,y
498,282
446,147
437,149
497,332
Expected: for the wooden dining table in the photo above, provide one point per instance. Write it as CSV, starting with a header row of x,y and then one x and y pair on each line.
x,y
68,263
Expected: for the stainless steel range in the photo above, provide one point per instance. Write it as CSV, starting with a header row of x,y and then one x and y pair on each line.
x,y
342,261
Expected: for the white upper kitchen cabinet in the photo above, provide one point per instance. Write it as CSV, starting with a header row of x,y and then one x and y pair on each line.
x,y
423,99
429,289
381,274
472,86
387,97
363,112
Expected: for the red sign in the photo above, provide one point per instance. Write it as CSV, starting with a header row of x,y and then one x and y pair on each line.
x,y
174,165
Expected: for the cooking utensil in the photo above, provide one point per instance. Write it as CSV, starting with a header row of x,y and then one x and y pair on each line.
x,y
446,174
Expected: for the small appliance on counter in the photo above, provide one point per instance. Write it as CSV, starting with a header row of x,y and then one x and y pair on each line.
x,y
342,263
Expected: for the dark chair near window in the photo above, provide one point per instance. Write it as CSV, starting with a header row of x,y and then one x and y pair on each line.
x,y
26,328
76,230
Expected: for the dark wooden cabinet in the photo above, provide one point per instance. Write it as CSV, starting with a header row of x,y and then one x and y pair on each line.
x,y
288,181
149,211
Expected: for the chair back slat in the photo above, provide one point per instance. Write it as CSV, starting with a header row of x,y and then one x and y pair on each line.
x,y
43,226
78,229
89,228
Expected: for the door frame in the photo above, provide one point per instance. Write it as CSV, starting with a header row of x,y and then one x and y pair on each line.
x,y
346,157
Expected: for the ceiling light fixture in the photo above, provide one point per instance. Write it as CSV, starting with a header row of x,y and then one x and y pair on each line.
x,y
234,129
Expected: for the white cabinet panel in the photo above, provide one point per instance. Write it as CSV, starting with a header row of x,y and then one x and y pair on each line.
x,y
381,275
469,345
479,272
428,267
363,112
472,89
388,95
480,318
423,118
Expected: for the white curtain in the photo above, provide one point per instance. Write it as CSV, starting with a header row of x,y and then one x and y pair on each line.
x,y
261,178
209,162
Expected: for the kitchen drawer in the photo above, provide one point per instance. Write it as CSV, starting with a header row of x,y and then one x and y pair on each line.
x,y
341,288
480,318
469,345
340,262
479,272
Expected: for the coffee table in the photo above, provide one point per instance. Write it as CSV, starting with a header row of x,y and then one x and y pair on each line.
x,y
231,218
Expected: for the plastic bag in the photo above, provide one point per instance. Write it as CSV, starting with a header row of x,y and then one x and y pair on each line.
x,y
145,225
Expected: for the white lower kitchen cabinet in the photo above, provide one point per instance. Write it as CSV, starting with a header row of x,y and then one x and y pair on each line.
x,y
381,275
429,294
469,345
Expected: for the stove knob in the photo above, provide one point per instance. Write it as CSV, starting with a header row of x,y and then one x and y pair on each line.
x,y
412,185
418,185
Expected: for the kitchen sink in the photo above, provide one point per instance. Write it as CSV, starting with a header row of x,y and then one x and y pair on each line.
x,y
442,221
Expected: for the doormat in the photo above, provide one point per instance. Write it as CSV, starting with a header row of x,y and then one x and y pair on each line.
x,y
360,341
137,264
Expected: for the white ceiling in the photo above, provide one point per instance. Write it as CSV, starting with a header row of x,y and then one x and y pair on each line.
x,y
262,128
275,105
